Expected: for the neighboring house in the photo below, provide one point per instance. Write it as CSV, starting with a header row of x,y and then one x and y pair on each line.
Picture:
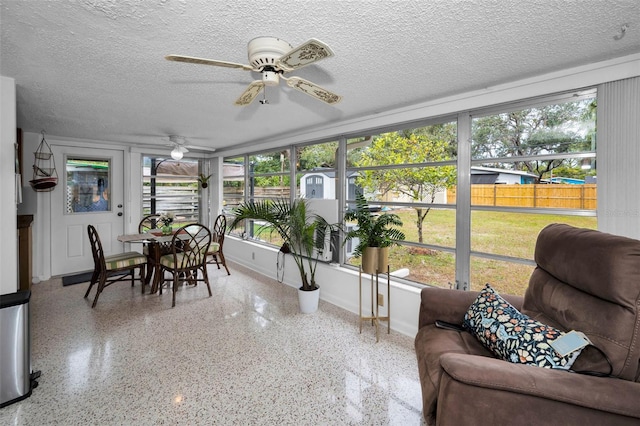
x,y
571,181
488,176
233,172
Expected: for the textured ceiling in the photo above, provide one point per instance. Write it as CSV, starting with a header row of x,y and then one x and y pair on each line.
x,y
96,69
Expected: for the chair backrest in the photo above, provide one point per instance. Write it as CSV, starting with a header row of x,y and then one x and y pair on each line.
x,y
96,248
219,229
589,281
190,245
148,222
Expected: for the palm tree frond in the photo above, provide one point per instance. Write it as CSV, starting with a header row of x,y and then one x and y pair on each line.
x,y
299,229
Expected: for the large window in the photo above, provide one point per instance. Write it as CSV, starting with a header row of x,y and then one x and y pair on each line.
x,y
316,171
233,183
269,177
171,186
531,166
409,172
522,167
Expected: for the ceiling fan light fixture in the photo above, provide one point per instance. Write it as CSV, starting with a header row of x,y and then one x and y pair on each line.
x,y
178,146
270,78
177,153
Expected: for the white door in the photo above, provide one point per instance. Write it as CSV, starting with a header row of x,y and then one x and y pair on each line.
x,y
90,191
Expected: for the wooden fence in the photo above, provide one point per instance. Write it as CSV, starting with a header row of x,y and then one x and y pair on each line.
x,y
562,196
259,192
179,200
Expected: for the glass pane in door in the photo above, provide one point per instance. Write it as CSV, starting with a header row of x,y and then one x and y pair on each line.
x,y
87,188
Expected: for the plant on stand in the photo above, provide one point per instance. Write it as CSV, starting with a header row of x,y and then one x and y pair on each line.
x,y
166,220
375,235
300,230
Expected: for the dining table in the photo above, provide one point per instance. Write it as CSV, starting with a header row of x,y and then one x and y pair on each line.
x,y
158,245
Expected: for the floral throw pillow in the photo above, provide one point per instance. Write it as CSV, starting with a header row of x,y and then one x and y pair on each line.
x,y
512,335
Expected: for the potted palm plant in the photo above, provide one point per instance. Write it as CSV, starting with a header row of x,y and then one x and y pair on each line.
x,y
375,235
301,232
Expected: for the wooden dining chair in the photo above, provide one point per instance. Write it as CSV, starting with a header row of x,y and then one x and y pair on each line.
x,y
215,253
148,223
110,269
188,255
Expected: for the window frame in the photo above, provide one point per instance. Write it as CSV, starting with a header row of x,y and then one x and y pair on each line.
x,y
184,216
463,162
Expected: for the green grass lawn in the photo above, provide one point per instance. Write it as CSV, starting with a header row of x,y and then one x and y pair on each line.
x,y
501,233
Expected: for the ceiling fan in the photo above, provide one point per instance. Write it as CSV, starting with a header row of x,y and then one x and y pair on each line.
x,y
180,147
272,58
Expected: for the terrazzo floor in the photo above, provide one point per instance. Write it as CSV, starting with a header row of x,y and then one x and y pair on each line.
x,y
245,356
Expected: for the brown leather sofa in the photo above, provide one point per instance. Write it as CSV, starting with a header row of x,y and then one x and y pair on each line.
x,y
585,280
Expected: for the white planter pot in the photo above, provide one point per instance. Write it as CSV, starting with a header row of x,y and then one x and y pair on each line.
x,y
308,300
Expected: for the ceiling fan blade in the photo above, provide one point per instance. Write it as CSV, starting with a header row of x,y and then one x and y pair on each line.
x,y
201,148
250,94
307,53
202,61
313,89
184,145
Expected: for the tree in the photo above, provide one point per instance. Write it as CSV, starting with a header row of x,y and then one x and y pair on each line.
x,y
273,162
420,184
277,162
446,132
317,155
551,129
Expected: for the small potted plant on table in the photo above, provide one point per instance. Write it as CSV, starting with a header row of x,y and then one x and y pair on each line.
x,y
166,220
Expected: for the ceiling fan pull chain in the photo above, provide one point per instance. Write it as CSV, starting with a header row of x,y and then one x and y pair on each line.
x,y
264,100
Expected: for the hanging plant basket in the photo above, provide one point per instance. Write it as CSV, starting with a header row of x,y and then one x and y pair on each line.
x,y
45,175
44,184
203,180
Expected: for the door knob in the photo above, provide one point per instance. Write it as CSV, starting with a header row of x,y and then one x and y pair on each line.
x,y
119,213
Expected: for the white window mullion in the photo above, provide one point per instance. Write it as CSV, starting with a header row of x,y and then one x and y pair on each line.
x,y
463,203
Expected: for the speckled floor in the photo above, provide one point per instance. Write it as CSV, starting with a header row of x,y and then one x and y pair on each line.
x,y
245,356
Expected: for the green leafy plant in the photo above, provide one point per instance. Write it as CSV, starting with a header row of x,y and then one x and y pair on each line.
x,y
166,218
203,180
373,230
300,230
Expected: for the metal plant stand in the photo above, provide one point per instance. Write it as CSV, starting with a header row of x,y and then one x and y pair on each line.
x,y
375,307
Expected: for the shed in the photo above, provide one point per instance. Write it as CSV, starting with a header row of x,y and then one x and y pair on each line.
x,y
320,183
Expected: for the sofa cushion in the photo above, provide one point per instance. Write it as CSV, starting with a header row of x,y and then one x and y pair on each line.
x,y
513,336
123,260
521,394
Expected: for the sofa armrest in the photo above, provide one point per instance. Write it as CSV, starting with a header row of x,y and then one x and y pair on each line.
x,y
450,305
549,387
443,304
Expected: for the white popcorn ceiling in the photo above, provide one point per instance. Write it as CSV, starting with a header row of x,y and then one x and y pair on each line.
x,y
96,69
